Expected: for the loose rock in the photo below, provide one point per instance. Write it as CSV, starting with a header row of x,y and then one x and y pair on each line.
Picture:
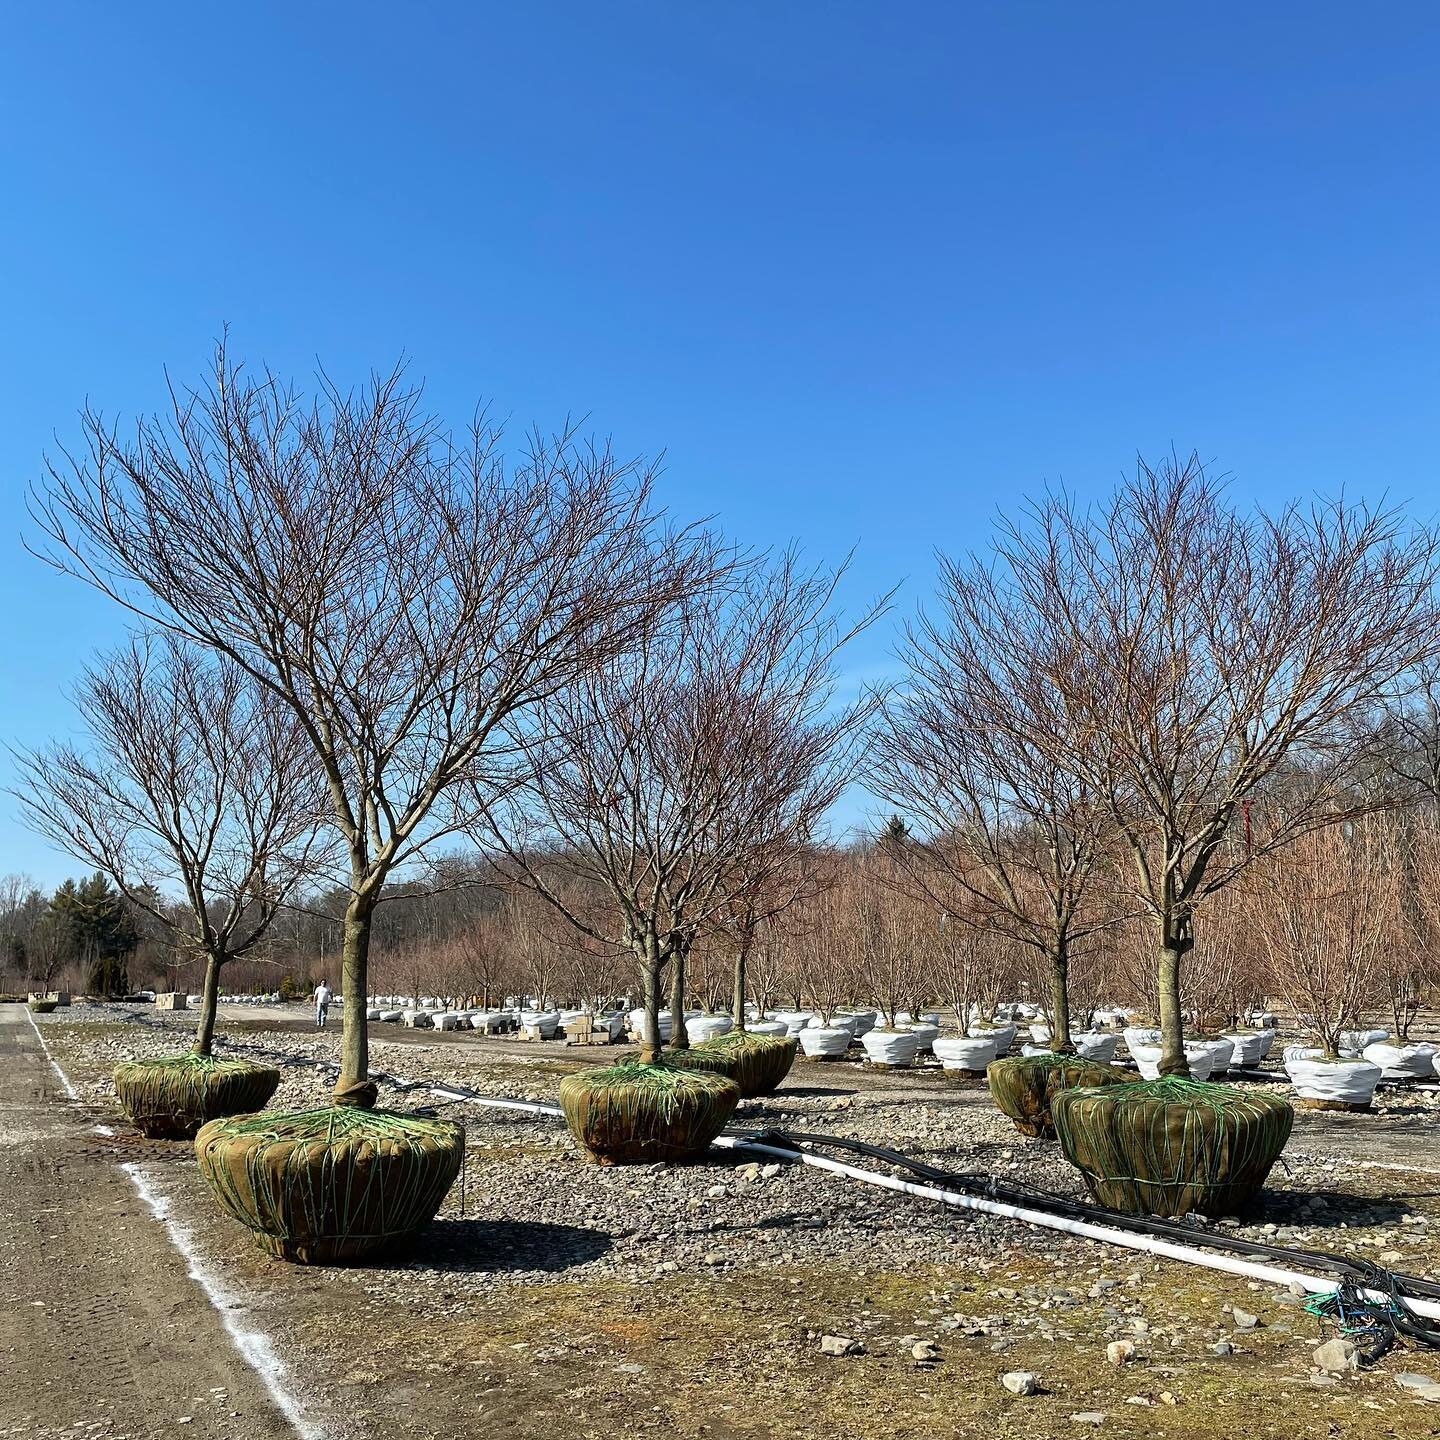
x,y
1336,1357
1117,1352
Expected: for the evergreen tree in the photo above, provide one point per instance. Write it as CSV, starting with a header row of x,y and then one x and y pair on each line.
x,y
98,932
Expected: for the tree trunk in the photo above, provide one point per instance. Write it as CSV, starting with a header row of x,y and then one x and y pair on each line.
x,y
1176,940
209,1001
679,1040
1060,1041
737,997
354,1087
650,1046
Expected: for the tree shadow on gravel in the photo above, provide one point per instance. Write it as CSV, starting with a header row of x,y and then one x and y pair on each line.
x,y
499,1247
1288,1207
804,1091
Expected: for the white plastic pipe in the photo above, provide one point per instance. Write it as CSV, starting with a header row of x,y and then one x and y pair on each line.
x,y
1233,1264
1105,1234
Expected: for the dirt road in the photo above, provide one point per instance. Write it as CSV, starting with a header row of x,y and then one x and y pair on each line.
x,y
103,1331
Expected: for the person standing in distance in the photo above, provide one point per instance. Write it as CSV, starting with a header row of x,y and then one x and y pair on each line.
x,y
323,996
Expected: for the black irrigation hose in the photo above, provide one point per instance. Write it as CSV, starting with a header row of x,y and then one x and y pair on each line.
x,y
1355,1274
1377,1323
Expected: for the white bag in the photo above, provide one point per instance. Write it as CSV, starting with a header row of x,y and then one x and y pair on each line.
x,y
1402,1062
1348,1082
1198,1055
924,1034
1250,1047
638,1027
1353,1042
1002,1035
1145,1035
819,1041
706,1027
965,1052
1222,1051
891,1047
768,1027
795,1020
1097,1047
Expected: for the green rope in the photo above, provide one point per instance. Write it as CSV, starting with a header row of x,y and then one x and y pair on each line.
x,y
330,1183
1172,1146
633,1111
173,1095
756,1063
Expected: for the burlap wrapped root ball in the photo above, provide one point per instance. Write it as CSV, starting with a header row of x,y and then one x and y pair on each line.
x,y
634,1113
1025,1086
1173,1147
171,1098
41,1007
756,1063
337,1184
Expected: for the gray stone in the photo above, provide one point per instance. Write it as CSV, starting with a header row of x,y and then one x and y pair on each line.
x,y
1222,1347
840,1345
925,1351
1089,1417
1021,1382
1244,1320
1336,1357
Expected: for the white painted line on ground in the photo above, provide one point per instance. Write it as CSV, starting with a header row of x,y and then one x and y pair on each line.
x,y
257,1347
71,1093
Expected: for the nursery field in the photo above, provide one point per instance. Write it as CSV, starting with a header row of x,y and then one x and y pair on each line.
x,y
554,1296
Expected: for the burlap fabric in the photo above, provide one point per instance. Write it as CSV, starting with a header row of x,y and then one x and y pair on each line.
x,y
1173,1147
1024,1086
629,1113
337,1184
756,1063
172,1097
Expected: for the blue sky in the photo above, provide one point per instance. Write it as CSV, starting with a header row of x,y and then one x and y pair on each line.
x,y
864,272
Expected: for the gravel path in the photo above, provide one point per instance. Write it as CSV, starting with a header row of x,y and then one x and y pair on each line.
x,y
102,1331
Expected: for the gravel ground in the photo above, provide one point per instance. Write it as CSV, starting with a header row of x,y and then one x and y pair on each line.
x,y
549,1289
731,1213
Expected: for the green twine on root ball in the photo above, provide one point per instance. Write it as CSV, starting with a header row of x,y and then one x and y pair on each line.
x,y
172,1097
756,1063
632,1112
335,1184
1171,1146
42,1007
1025,1086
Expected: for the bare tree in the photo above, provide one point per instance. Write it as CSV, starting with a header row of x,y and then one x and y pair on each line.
x,y
978,748
1326,914
1207,652
771,895
197,781
890,931
686,772
408,595
824,959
